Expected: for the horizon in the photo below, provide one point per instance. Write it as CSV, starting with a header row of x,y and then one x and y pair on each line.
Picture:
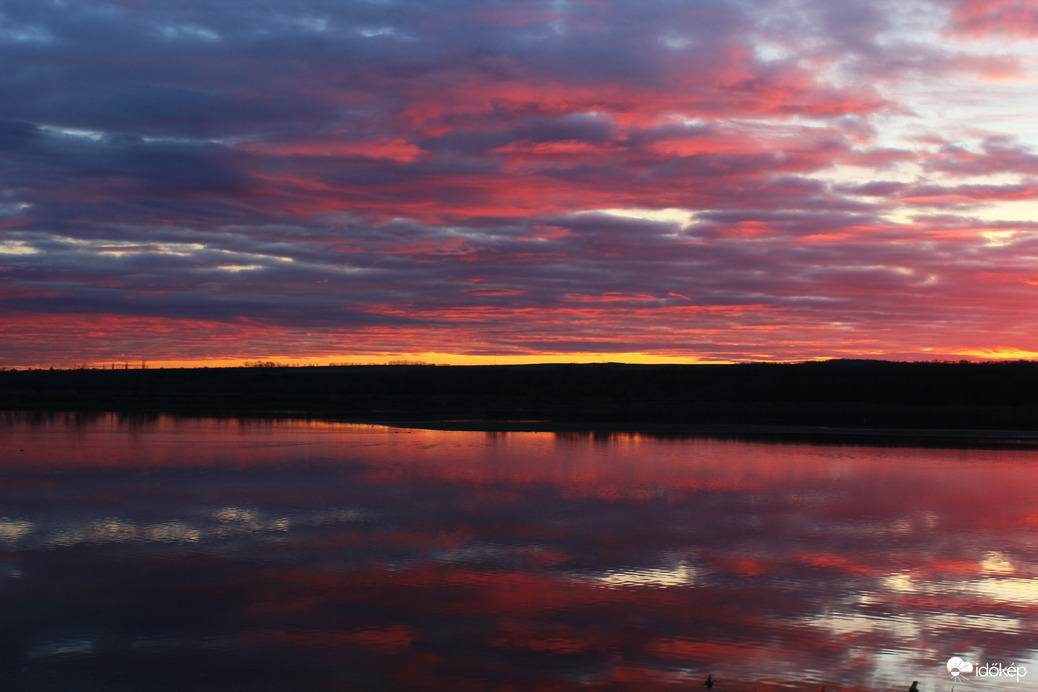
x,y
497,183
271,364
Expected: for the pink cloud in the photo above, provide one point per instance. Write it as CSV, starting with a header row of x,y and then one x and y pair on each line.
x,y
398,150
982,18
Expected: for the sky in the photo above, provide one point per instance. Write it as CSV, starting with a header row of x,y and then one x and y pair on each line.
x,y
464,181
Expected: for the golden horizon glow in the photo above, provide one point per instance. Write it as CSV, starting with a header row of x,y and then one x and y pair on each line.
x,y
451,359
389,359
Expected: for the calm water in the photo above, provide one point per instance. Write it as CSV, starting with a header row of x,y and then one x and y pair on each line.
x,y
167,554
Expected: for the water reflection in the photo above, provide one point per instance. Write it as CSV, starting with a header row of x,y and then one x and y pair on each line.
x,y
223,555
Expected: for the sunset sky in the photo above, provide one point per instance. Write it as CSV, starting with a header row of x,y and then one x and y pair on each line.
x,y
489,181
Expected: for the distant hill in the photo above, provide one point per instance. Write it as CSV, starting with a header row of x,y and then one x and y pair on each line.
x,y
841,393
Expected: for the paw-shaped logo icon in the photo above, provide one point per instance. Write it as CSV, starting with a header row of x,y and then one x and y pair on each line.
x,y
957,666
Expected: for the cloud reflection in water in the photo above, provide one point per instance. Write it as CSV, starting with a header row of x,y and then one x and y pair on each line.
x,y
325,556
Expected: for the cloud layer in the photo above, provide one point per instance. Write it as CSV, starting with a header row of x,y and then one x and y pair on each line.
x,y
722,180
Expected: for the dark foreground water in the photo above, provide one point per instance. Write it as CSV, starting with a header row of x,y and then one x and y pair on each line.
x,y
164,554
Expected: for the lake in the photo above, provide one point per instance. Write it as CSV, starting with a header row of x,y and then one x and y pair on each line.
x,y
161,553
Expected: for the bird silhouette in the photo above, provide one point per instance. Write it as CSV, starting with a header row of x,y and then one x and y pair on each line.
x,y
709,681
914,687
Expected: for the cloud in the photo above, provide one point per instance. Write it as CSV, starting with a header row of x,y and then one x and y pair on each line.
x,y
324,166
983,18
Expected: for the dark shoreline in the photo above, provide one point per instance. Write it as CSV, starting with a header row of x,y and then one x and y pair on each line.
x,y
918,403
791,434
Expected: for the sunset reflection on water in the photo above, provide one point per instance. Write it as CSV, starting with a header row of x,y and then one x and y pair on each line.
x,y
207,554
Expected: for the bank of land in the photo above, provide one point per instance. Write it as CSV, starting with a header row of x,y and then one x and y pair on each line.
x,y
842,394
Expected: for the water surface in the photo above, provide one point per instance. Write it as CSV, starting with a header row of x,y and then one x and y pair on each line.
x,y
202,554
